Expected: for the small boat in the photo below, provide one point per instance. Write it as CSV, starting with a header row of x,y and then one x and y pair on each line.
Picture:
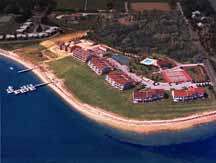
x,y
17,92
11,68
10,89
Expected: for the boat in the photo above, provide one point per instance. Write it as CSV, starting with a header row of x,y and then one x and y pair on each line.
x,y
10,89
24,89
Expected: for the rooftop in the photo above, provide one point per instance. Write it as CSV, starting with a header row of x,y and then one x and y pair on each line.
x,y
100,63
148,94
188,92
120,77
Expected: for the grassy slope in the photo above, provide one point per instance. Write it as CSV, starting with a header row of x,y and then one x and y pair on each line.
x,y
95,91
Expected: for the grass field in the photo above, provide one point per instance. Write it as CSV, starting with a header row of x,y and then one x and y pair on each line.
x,y
94,5
94,90
197,73
32,53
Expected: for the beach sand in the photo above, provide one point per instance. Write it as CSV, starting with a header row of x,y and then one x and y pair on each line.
x,y
107,118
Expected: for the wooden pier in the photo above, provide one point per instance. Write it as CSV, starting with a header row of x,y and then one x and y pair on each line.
x,y
27,70
42,84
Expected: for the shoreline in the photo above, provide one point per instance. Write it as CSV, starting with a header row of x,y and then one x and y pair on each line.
x,y
107,118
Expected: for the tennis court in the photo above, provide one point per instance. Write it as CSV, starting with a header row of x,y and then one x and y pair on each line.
x,y
176,76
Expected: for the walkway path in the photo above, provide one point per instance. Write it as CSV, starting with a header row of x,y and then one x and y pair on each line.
x,y
149,83
208,67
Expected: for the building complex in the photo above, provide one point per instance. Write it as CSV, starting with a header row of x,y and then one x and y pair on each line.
x,y
119,80
99,65
188,94
148,96
95,56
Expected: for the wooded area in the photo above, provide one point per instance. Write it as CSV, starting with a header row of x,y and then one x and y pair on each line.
x,y
149,32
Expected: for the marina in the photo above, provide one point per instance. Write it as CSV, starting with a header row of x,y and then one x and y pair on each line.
x,y
24,89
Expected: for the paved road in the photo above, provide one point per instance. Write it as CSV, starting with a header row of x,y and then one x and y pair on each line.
x,y
149,83
208,67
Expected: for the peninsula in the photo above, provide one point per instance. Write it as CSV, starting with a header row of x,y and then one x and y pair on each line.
x,y
144,70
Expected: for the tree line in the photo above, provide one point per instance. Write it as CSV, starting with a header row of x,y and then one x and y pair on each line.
x,y
25,7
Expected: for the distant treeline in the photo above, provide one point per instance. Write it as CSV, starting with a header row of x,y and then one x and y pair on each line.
x,y
207,9
25,7
202,5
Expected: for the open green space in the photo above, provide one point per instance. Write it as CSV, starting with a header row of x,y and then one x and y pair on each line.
x,y
33,53
197,73
94,90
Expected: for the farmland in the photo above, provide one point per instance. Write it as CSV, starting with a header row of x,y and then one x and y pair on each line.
x,y
140,6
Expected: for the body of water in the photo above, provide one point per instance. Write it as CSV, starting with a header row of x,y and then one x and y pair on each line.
x,y
39,127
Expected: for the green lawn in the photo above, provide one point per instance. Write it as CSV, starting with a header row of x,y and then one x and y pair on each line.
x,y
95,91
32,52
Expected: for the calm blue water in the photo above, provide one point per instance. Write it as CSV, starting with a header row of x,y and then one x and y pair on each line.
x,y
40,128
120,58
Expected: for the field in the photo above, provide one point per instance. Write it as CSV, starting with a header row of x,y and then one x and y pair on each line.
x,y
94,5
102,5
94,90
197,73
32,53
142,6
67,37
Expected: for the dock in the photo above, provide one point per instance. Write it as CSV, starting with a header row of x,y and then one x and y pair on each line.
x,y
27,70
25,88
42,84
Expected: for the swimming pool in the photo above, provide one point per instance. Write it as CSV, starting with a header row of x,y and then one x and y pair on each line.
x,y
148,61
120,59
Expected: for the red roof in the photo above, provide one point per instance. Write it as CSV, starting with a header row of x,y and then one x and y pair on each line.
x,y
72,48
81,53
163,62
188,92
120,78
98,51
148,94
100,63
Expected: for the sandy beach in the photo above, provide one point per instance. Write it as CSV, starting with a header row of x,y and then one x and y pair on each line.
x,y
110,119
